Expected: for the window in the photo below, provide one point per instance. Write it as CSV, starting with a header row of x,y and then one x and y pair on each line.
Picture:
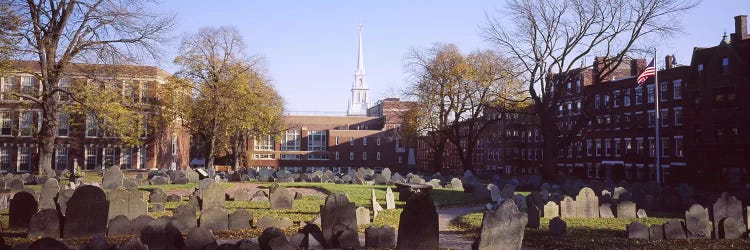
x,y
24,159
64,84
700,68
725,65
617,147
578,86
291,156
63,123
25,123
678,147
598,147
665,147
560,110
263,143
651,147
626,97
9,85
677,90
650,89
7,123
400,159
617,98
144,126
663,91
364,156
607,147
144,92
4,158
92,128
596,102
27,85
639,146
377,141
377,156
90,158
364,140
351,140
628,146
578,106
569,105
351,156
337,155
337,141
142,156
678,116
638,96
606,101
589,148
262,156
316,140
128,91
664,117
292,140
61,157
651,118
126,158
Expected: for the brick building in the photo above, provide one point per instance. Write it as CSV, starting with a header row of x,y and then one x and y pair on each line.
x,y
80,140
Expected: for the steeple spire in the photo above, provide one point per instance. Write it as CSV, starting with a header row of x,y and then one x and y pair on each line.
x,y
360,59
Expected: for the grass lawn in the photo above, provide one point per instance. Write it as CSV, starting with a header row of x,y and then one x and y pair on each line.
x,y
599,233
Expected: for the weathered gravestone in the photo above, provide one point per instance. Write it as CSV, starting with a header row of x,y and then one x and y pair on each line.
x,y
641,213
390,199
502,228
418,225
200,239
730,228
726,206
87,213
15,185
339,222
212,195
656,232
567,208
133,244
112,178
587,204
184,217
50,188
532,212
380,237
162,234
509,191
674,230
363,216
46,243
274,238
62,200
551,210
242,195
158,207
269,221
605,211
637,230
280,198
495,194
140,222
376,208
558,227
157,196
626,210
22,207
240,219
456,183
120,225
215,218
126,202
45,223
180,177
174,198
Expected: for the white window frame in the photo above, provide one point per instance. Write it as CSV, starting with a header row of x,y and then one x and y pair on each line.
x,y
337,154
9,85
364,156
679,152
25,123
617,147
351,156
6,123
263,143
65,84
25,159
677,113
364,141
317,140
92,127
292,140
5,159
377,141
650,93
677,89
63,124
626,97
108,157
61,157
142,158
126,158
617,97
351,140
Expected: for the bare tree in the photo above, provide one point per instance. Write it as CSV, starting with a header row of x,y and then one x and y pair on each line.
x,y
57,33
554,37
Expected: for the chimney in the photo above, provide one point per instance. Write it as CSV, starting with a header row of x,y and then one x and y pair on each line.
x,y
668,61
740,28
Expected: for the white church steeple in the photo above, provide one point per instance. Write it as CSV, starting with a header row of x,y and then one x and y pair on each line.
x,y
360,99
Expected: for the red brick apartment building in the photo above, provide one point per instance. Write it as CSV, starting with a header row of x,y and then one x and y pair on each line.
x,y
336,143
80,141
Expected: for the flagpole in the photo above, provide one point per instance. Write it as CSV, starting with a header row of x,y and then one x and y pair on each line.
x,y
658,120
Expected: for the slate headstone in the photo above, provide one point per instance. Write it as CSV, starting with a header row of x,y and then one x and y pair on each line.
x,y
605,211
418,225
45,223
112,178
726,206
50,188
86,213
22,207
656,232
133,244
140,222
240,219
502,228
339,217
273,238
280,198
157,196
380,237
212,195
637,230
730,228
215,218
626,210
697,222
162,234
674,230
120,225
199,239
242,195
558,227
185,217
47,243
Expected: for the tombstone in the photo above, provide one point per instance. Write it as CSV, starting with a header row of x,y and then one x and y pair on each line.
x,y
390,200
726,206
184,217
50,188
162,234
567,208
200,238
280,198
273,238
46,243
22,207
637,230
15,185
45,223
456,183
502,228
363,216
674,230
212,195
730,228
242,195
697,222
587,204
130,183
120,225
380,237
376,208
140,222
159,180
158,208
626,210
133,244
62,199
157,196
641,213
215,218
240,219
418,225
269,221
87,213
618,192
520,200
337,216
551,210
656,232
112,178
180,177
533,214
174,198
605,211
557,227
495,194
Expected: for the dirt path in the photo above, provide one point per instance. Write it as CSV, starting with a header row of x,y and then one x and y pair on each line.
x,y
451,239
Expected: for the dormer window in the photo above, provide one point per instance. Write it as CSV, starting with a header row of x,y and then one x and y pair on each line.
x,y
725,65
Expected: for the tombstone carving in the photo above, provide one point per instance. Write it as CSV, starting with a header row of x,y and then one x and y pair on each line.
x,y
626,210
339,218
726,206
50,188
212,195
567,208
112,178
240,219
502,228
418,227
551,210
87,213
22,207
587,204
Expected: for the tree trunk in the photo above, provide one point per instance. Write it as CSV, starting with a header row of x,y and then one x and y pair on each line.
x,y
549,146
210,148
47,135
236,151
437,157
467,159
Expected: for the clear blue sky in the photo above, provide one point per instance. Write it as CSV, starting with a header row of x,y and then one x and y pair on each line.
x,y
310,47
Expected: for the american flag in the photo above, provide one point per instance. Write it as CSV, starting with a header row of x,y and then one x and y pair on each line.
x,y
649,71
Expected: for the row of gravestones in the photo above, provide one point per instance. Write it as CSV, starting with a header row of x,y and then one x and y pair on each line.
x,y
586,205
727,222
